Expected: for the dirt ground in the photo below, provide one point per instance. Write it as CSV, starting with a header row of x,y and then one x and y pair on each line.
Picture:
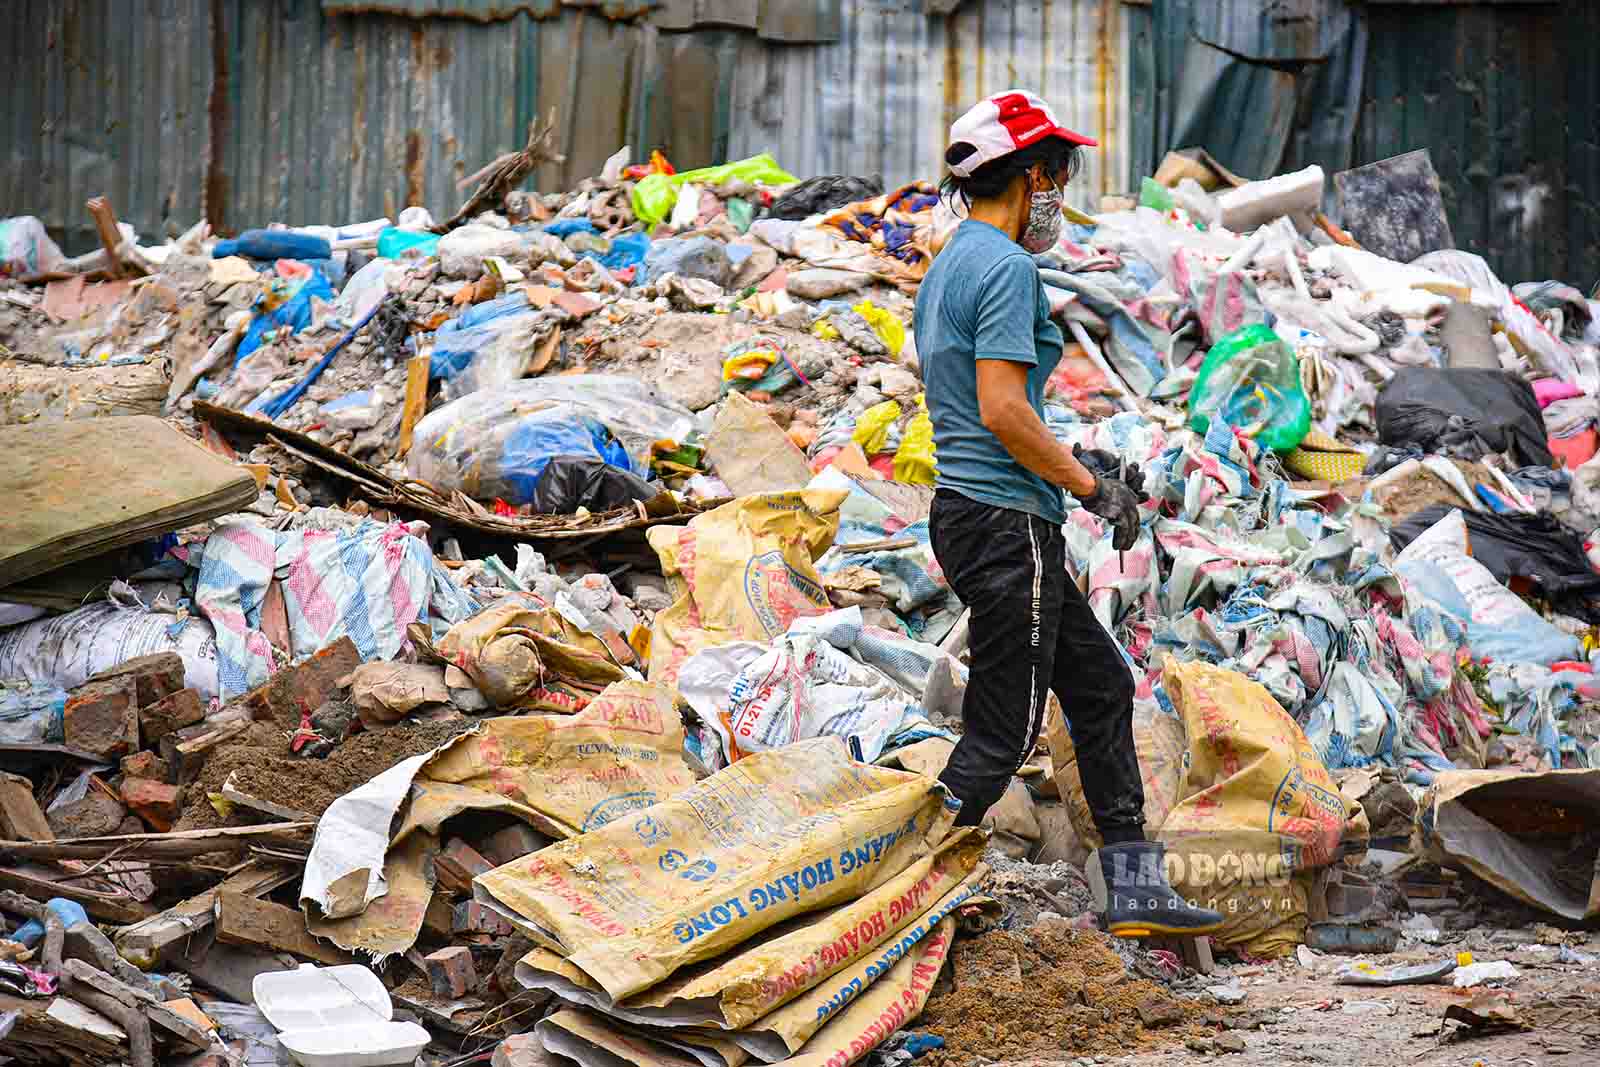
x,y
1293,1013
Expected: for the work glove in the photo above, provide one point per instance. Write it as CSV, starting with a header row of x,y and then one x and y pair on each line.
x,y
1104,464
1118,505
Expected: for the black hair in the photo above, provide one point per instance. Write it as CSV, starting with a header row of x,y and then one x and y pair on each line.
x,y
1061,158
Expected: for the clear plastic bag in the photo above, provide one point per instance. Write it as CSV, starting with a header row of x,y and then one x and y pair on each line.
x,y
497,442
1251,380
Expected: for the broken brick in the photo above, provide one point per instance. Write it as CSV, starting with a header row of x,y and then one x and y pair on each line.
x,y
172,712
458,864
512,843
154,676
145,765
157,803
472,917
20,816
103,717
313,680
451,972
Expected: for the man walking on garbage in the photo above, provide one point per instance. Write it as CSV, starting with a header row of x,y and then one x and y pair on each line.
x,y
987,346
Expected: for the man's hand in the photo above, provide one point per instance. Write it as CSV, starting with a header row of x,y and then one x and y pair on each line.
x,y
1118,505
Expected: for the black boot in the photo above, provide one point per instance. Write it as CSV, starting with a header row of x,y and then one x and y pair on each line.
x,y
1139,900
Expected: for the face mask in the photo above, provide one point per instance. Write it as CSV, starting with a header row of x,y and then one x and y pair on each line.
x,y
1044,221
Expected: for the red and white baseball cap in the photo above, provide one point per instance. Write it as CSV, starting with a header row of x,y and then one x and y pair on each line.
x,y
1004,123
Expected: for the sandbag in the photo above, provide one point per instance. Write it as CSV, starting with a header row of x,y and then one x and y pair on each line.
x,y
66,650
520,656
1518,545
1464,414
776,835
1257,813
367,886
741,572
1438,566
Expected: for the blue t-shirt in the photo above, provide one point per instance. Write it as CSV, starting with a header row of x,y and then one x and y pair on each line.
x,y
982,299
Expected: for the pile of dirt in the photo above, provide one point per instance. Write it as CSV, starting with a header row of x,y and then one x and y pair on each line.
x,y
262,766
1054,993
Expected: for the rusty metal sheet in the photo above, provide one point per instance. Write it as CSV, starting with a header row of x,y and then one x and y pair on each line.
x,y
75,489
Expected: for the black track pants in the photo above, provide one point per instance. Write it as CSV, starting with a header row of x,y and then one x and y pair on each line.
x,y
1032,631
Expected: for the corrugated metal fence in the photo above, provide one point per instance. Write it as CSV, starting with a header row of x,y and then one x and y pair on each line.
x,y
304,111
298,111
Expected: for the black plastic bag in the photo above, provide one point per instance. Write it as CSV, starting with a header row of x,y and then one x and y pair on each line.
x,y
568,483
824,193
1535,547
1465,414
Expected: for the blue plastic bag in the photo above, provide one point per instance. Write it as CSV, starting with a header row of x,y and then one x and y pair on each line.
x,y
566,227
273,244
539,438
629,250
295,313
453,352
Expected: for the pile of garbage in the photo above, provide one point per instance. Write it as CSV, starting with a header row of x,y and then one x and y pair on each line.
x,y
529,621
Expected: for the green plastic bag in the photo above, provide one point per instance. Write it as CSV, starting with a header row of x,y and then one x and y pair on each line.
x,y
655,194
1251,380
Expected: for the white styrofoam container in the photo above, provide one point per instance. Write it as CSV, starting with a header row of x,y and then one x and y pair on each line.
x,y
336,1017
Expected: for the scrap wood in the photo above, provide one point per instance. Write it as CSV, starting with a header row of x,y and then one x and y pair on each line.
x,y
109,905
179,844
105,225
146,940
506,173
64,1027
241,919
81,976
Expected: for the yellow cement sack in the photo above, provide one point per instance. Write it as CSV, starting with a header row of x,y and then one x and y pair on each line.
x,y
770,970
790,1029
591,1040
1158,740
367,885
887,1005
1258,812
524,657
1528,835
778,834
741,572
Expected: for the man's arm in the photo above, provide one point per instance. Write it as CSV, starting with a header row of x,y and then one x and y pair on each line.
x,y
1004,409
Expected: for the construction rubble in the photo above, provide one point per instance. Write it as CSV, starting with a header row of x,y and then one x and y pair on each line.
x,y
516,639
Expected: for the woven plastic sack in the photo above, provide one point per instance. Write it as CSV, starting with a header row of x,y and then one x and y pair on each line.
x,y
1258,811
1251,380
741,572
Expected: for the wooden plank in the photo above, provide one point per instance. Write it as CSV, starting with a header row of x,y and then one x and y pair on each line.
x,y
20,815
185,750
107,907
243,920
65,1027
416,401
81,974
180,844
150,938
105,224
